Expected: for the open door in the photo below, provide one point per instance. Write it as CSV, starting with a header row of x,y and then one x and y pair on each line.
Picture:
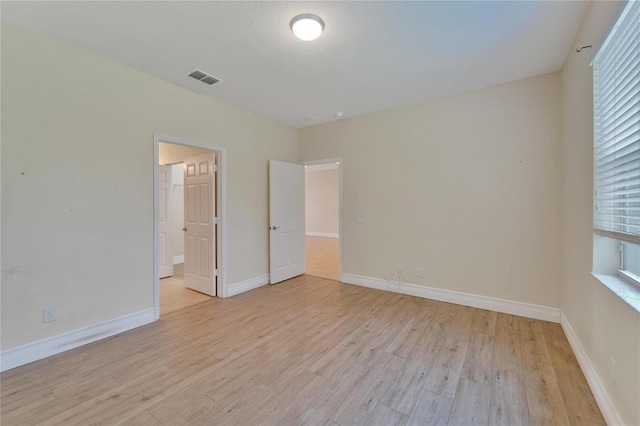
x,y
200,224
165,254
286,215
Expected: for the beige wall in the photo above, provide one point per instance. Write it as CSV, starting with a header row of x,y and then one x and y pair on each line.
x,y
322,208
605,325
77,175
465,186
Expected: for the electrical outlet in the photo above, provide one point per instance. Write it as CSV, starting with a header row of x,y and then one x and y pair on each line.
x,y
49,315
612,370
400,269
420,272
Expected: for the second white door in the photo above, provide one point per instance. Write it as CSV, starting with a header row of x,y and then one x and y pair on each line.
x,y
286,216
200,224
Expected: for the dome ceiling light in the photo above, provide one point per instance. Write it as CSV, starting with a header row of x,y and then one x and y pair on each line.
x,y
307,27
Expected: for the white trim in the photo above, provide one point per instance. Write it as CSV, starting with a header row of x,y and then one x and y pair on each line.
x,y
178,259
221,198
522,309
621,287
44,348
246,285
322,166
609,412
322,234
156,229
325,161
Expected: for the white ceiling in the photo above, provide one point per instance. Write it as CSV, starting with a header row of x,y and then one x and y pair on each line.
x,y
371,56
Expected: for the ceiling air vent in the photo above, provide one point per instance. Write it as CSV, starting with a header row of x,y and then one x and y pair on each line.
x,y
203,77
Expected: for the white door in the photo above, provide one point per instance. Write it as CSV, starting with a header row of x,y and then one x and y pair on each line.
x,y
165,240
286,216
200,224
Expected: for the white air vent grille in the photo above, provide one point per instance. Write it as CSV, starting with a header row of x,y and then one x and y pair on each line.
x,y
203,77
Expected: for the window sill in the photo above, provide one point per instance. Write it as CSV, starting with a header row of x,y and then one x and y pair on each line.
x,y
623,289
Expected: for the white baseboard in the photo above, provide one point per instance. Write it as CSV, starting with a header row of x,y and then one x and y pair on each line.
x,y
250,284
528,310
607,408
178,259
322,234
44,348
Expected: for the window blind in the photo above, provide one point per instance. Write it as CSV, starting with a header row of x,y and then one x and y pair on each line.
x,y
616,84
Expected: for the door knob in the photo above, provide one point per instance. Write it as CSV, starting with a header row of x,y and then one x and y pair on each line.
x,y
184,229
273,228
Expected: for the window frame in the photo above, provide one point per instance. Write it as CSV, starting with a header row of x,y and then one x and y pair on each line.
x,y
614,98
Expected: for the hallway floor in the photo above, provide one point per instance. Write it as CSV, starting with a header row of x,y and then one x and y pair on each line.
x,y
174,295
322,257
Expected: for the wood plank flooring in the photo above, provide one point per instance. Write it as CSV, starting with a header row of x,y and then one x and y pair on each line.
x,y
311,351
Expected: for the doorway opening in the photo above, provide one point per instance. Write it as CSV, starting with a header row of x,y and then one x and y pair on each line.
x,y
322,218
188,223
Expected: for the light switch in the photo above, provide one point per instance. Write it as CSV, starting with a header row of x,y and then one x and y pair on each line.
x,y
359,219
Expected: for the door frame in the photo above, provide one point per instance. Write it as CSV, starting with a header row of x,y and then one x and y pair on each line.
x,y
340,165
221,206
169,214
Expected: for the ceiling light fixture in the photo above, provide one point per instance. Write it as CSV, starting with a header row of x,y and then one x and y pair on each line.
x,y
307,27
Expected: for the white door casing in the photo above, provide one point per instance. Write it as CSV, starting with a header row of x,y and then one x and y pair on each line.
x,y
200,224
286,216
164,219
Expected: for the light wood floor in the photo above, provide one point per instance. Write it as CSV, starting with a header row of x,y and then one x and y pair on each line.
x,y
311,351
321,257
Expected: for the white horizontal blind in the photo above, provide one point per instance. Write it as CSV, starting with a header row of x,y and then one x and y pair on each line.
x,y
616,77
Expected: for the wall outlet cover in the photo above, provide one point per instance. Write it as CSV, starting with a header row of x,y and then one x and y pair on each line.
x,y
49,315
